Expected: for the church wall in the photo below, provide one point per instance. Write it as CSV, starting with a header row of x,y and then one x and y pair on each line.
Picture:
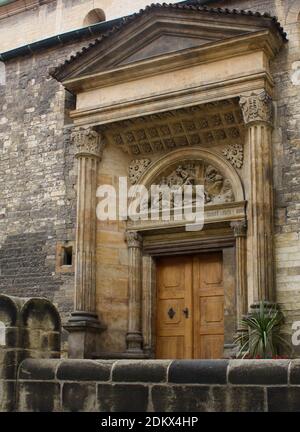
x,y
57,16
38,178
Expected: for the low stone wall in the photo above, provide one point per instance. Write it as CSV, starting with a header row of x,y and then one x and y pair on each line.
x,y
156,385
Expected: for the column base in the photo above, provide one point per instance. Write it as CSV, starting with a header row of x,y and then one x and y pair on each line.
x,y
134,343
84,330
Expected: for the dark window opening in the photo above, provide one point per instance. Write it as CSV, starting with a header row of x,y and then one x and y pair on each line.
x,y
67,256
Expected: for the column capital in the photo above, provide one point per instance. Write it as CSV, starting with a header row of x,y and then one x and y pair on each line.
x,y
134,239
88,142
257,106
239,228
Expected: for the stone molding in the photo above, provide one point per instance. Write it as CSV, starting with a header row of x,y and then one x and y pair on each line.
x,y
88,142
257,107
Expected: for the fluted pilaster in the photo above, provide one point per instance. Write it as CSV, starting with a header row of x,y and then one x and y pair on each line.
x,y
258,116
84,322
134,334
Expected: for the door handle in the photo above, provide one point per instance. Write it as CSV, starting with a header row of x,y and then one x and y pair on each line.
x,y
186,312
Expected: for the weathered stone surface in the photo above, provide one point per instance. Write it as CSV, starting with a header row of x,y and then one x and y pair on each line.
x,y
122,397
258,372
205,399
84,370
7,396
283,399
295,372
40,369
198,371
39,396
140,371
78,397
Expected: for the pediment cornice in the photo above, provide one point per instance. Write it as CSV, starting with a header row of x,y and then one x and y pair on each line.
x,y
160,33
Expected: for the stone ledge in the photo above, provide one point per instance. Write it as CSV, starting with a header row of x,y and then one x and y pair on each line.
x,y
198,371
254,372
84,370
140,371
155,385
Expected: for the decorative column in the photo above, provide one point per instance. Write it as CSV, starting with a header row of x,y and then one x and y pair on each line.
x,y
84,325
134,337
257,110
240,233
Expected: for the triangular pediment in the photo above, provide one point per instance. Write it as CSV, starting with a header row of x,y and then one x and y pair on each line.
x,y
161,31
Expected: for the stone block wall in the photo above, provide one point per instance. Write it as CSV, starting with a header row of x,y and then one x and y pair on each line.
x,y
29,328
38,178
159,386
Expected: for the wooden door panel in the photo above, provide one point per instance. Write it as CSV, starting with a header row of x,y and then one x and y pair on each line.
x,y
208,306
211,313
195,283
173,330
210,347
170,347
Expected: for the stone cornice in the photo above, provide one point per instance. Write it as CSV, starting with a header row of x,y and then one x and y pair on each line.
x,y
263,40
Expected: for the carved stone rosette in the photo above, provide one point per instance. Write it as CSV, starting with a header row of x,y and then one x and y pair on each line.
x,y
137,168
88,142
257,107
235,154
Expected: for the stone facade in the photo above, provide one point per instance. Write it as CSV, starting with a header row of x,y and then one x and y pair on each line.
x,y
38,172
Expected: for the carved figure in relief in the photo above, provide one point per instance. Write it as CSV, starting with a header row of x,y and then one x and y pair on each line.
x,y
217,189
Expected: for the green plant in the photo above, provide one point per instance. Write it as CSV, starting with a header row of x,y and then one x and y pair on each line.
x,y
260,335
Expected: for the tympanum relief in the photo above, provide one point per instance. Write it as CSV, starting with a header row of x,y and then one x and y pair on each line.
x,y
217,188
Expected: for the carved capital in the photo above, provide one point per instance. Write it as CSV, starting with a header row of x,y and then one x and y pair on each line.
x,y
134,239
239,228
88,142
257,107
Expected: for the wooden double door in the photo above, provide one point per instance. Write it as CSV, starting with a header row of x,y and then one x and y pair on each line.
x,y
190,307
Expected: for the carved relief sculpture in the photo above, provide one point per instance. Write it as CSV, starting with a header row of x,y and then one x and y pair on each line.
x,y
217,189
137,167
235,154
257,106
88,142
